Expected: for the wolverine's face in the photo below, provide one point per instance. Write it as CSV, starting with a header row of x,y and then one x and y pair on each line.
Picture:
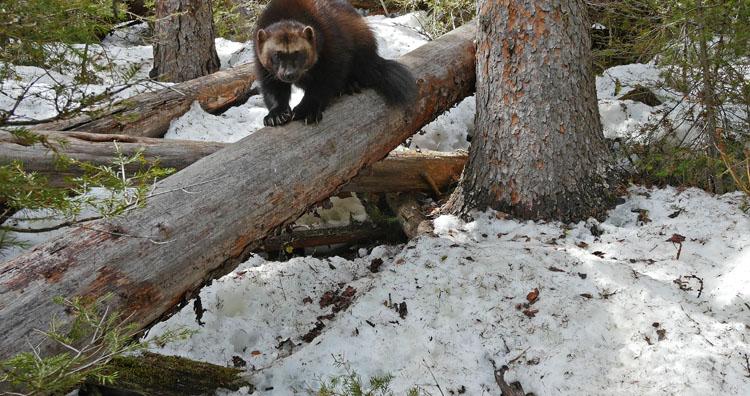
x,y
286,49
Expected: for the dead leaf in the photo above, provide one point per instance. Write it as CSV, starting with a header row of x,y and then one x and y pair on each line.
x,y
532,296
676,238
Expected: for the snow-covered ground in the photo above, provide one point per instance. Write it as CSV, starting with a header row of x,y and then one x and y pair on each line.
x,y
617,312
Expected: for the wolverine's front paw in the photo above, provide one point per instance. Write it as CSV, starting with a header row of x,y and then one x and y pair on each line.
x,y
278,116
311,114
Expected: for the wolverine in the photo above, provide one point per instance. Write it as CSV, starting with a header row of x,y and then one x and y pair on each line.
x,y
326,48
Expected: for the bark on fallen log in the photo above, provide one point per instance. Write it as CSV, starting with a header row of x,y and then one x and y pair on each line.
x,y
149,114
401,171
161,253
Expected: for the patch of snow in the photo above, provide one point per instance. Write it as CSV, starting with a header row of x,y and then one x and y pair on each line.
x,y
232,125
341,213
226,50
242,56
625,118
127,35
397,36
629,76
450,131
609,319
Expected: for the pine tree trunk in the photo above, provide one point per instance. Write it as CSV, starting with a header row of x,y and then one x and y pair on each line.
x,y
538,151
184,34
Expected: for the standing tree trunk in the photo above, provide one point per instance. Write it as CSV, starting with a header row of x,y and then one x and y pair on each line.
x,y
184,35
538,151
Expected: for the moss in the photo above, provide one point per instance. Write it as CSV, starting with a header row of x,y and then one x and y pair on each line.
x,y
153,374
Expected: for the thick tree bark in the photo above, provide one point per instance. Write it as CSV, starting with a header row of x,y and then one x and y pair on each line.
x,y
204,220
184,34
401,171
538,151
149,114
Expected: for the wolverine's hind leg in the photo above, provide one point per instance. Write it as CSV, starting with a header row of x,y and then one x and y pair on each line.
x,y
316,99
352,87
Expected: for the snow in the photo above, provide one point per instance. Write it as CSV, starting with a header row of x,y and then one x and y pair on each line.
x,y
602,303
450,131
341,213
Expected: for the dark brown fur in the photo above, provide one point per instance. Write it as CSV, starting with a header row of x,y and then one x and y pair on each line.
x,y
326,48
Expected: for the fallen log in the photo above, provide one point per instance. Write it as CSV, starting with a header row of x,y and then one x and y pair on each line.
x,y
157,255
153,374
149,114
401,171
409,214
97,149
330,236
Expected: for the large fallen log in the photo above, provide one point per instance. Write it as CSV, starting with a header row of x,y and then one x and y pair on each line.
x,y
149,114
204,220
400,171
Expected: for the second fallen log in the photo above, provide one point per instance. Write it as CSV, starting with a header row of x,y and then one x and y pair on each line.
x,y
405,170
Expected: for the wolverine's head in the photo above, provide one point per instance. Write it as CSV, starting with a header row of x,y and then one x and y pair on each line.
x,y
286,49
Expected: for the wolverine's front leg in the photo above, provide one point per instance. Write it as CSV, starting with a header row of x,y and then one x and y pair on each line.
x,y
276,96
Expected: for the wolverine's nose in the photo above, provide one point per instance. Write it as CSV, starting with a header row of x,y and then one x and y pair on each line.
x,y
289,76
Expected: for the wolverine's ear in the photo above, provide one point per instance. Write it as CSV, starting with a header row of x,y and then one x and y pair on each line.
x,y
261,37
309,33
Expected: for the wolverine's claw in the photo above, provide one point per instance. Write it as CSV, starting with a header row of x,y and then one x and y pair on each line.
x,y
309,114
278,117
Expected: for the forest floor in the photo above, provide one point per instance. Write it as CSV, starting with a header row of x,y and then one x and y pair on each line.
x,y
653,300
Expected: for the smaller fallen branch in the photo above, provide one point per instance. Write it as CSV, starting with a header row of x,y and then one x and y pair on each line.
x,y
97,149
350,234
409,214
149,114
512,389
